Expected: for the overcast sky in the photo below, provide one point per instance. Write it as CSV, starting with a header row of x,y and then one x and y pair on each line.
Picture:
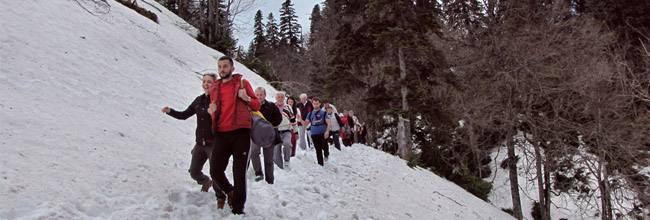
x,y
245,21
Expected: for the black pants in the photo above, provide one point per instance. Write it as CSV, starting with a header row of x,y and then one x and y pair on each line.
x,y
237,144
322,148
200,154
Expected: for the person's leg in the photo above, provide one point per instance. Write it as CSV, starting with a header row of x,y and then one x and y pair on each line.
x,y
335,137
326,148
310,140
221,151
255,159
268,163
199,157
319,149
207,149
286,146
302,137
277,155
240,148
293,143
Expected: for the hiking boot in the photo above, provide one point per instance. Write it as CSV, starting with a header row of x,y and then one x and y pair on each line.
x,y
220,203
259,178
230,199
206,185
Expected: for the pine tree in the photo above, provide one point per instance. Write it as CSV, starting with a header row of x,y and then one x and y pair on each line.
x,y
289,27
217,32
272,32
257,47
316,18
402,29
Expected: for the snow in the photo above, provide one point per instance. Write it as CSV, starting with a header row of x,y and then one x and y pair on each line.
x,y
83,136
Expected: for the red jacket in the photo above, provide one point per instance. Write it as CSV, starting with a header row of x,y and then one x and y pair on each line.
x,y
232,111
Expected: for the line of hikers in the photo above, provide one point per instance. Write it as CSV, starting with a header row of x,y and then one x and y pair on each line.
x,y
224,124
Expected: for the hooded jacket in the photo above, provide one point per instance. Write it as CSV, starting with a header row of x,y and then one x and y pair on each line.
x,y
241,117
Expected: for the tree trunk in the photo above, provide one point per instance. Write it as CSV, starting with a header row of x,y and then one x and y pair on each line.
x,y
183,11
514,182
547,189
540,183
403,125
603,178
605,195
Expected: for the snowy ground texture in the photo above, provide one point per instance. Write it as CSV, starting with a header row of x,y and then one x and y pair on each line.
x,y
82,135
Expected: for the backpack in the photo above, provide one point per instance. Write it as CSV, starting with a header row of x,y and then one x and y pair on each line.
x,y
319,123
347,130
262,131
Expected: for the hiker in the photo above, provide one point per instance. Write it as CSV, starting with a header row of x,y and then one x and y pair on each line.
x,y
204,138
320,129
283,149
346,131
363,133
305,107
354,125
294,124
231,124
327,104
270,112
335,126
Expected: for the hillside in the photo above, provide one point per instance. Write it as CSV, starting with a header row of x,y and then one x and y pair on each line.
x,y
82,134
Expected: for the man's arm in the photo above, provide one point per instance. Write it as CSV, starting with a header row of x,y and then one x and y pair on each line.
x,y
275,116
254,103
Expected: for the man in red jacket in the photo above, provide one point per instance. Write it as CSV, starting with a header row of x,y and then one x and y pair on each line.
x,y
231,123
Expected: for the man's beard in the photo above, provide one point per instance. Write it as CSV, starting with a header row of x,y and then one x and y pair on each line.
x,y
226,76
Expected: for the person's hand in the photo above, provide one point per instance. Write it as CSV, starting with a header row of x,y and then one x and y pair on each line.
x,y
166,109
327,134
212,108
242,95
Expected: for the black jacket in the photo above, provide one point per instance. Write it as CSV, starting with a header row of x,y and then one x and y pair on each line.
x,y
271,113
203,119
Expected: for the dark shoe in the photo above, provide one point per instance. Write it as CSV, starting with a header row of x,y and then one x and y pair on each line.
x,y
259,178
238,212
206,185
221,203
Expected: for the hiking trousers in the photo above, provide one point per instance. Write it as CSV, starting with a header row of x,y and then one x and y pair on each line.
x,y
283,150
302,137
335,139
200,154
322,148
235,143
268,161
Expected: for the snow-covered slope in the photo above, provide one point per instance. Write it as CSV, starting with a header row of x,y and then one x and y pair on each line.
x,y
82,135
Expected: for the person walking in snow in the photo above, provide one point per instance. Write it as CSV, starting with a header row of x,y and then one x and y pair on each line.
x,y
363,133
231,124
270,112
335,126
327,104
294,124
204,137
320,130
283,150
346,131
354,125
305,107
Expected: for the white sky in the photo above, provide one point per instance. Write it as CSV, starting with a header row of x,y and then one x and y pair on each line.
x,y
245,21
